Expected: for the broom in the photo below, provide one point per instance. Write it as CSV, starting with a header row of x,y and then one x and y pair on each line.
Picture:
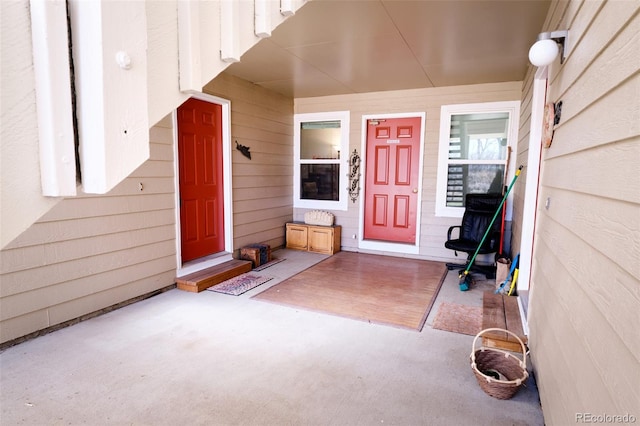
x,y
465,276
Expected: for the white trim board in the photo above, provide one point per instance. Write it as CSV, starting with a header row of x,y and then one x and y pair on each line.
x,y
530,204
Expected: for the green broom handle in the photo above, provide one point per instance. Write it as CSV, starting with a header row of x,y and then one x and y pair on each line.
x,y
506,194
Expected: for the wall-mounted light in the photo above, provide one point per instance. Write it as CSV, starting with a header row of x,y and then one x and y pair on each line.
x,y
545,50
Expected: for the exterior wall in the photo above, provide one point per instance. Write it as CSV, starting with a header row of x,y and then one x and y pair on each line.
x,y
19,154
92,252
585,290
433,232
262,186
62,258
21,199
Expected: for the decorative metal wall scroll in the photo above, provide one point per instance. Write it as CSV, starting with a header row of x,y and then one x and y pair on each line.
x,y
354,176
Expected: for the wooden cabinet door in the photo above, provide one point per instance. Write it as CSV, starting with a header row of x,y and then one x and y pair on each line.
x,y
296,237
320,240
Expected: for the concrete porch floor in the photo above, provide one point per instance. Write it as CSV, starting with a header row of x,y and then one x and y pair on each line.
x,y
214,359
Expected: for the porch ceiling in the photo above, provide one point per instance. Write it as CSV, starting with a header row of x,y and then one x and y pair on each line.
x,y
332,47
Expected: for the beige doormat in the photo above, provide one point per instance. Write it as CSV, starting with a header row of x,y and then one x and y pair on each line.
x,y
458,318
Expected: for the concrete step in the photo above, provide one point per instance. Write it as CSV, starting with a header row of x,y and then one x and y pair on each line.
x,y
202,280
500,311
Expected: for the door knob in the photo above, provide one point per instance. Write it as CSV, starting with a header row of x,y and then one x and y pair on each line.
x,y
415,190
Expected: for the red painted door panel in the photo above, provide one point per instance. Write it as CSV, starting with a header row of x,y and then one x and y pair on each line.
x,y
201,187
391,191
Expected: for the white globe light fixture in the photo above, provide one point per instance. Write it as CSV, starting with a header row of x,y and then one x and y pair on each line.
x,y
545,50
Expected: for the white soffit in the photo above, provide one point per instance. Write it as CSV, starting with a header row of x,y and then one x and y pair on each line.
x,y
354,46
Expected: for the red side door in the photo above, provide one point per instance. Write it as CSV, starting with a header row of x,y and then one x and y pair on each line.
x,y
391,191
200,174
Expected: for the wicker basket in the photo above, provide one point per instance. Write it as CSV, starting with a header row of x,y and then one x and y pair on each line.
x,y
489,362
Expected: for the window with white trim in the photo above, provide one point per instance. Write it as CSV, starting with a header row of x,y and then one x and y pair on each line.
x,y
475,141
321,143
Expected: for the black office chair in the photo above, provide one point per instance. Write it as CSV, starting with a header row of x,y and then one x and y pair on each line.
x,y
479,210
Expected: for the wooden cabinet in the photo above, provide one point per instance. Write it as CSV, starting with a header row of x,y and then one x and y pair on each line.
x,y
323,239
318,239
297,236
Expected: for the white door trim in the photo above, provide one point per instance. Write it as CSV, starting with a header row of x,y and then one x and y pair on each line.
x,y
380,245
530,205
215,259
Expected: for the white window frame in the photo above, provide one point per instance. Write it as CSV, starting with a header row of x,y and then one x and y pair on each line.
x,y
343,161
510,107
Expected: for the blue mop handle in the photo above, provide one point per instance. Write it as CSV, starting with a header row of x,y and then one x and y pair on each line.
x,y
506,194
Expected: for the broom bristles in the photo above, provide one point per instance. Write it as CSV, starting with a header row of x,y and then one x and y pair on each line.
x,y
465,281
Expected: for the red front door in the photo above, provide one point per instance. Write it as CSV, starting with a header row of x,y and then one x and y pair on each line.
x,y
391,191
200,170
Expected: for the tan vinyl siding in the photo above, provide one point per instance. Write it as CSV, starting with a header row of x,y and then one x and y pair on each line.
x,y
262,185
521,158
585,290
433,229
92,252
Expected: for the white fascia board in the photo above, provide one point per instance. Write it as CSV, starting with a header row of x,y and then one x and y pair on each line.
x,y
189,46
110,64
262,18
53,97
287,8
229,31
